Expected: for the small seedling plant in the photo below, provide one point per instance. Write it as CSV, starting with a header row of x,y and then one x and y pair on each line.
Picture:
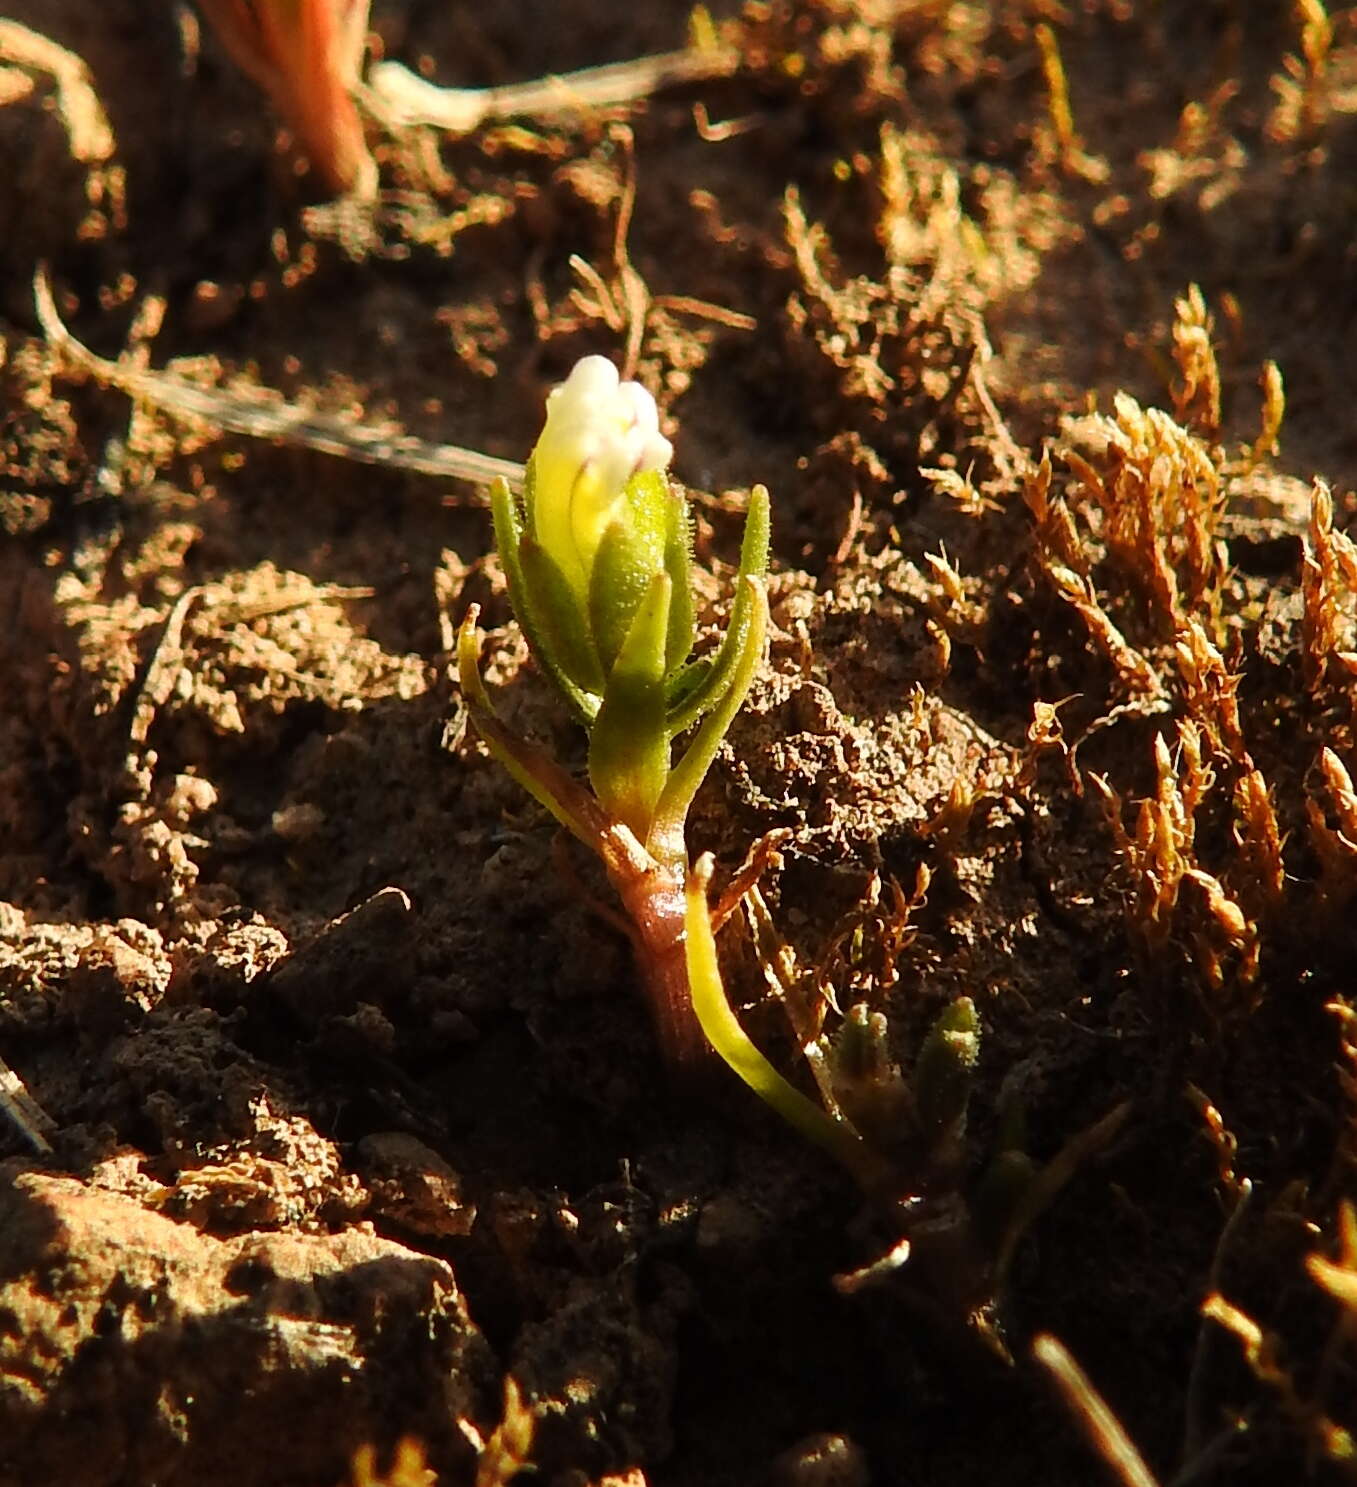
x,y
597,555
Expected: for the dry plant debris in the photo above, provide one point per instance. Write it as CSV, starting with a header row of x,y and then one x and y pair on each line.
x,y
1036,320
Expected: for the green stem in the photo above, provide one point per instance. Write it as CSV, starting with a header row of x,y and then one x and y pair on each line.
x,y
729,1039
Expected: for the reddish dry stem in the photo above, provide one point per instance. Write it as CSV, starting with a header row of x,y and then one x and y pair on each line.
x,y
654,902
299,54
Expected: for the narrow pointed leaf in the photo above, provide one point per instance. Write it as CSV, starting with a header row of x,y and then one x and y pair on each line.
x,y
666,832
557,655
1048,1180
629,555
539,775
306,55
945,1068
505,514
628,745
679,684
753,564
678,557
758,531
556,628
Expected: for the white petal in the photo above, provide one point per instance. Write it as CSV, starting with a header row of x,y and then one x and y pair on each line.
x,y
638,408
591,381
656,453
600,431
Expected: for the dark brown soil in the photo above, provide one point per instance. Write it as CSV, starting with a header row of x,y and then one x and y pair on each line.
x,y
356,1111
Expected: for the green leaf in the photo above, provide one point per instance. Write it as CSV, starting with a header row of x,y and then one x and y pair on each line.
x,y
539,775
541,598
554,623
866,1084
629,746
679,684
758,531
678,557
753,565
630,553
506,512
1000,1194
671,810
945,1068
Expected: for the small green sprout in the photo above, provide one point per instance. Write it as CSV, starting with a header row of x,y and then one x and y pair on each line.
x,y
902,1138
723,1031
597,557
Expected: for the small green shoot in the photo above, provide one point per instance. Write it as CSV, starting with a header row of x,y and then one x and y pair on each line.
x,y
597,557
729,1039
954,1224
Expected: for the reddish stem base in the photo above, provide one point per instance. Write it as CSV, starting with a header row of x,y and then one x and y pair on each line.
x,y
654,903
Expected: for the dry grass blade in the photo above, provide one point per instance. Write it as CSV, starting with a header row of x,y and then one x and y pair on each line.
x,y
1211,693
1274,410
1258,836
1104,1430
1197,400
509,1448
1262,1354
269,417
408,1469
1328,593
77,103
1159,859
90,135
1333,830
1339,1277
400,99
29,1118
803,996
1069,148
1134,671
1237,1191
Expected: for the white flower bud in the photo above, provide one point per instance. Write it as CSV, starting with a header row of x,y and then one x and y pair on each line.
x,y
599,433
